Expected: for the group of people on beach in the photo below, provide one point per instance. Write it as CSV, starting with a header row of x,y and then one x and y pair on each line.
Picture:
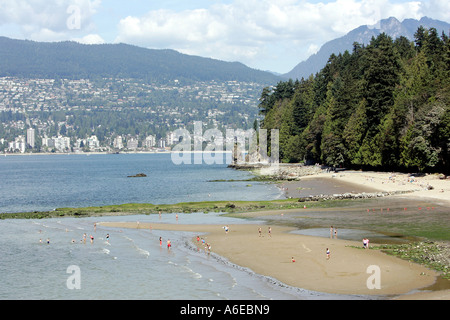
x,y
47,241
269,231
169,243
206,245
84,238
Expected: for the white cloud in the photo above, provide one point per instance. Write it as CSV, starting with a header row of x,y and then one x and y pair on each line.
x,y
47,20
312,49
247,30
90,39
264,34
436,9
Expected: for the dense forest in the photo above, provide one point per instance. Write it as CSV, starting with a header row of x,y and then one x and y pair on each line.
x,y
383,106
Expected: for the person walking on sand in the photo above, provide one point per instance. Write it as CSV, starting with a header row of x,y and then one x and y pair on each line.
x,y
259,231
270,232
328,254
366,243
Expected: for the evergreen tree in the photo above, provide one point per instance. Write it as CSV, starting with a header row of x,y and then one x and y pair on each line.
x,y
354,133
383,106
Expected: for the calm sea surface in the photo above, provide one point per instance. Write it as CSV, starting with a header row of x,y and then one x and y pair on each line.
x,y
45,182
130,264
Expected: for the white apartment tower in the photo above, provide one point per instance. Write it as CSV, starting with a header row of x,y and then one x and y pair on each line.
x,y
31,137
150,141
118,144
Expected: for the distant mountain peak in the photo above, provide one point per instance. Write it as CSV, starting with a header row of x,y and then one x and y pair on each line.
x,y
363,35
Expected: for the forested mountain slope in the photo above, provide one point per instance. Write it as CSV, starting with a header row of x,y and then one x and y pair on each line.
x,y
384,106
72,60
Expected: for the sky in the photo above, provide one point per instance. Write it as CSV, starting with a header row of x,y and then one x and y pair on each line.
x,y
272,35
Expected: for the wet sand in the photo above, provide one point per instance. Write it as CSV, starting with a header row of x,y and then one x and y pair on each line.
x,y
314,186
348,270
345,272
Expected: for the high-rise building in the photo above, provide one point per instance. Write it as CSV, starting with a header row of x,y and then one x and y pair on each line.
x,y
31,137
170,138
18,144
150,141
132,144
93,143
61,143
118,144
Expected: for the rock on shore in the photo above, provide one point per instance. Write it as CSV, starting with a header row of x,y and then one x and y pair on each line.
x,y
348,195
288,172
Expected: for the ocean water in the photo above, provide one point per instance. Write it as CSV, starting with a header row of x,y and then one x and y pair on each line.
x,y
45,182
130,264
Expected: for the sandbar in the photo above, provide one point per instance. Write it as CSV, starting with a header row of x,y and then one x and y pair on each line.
x,y
348,270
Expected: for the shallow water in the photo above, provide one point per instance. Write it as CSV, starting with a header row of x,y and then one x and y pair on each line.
x,y
348,234
131,265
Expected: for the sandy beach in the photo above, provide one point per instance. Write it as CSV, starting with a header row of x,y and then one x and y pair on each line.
x,y
350,269
346,271
428,186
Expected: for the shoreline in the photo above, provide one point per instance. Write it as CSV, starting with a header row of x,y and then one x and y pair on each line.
x,y
345,272
426,186
121,152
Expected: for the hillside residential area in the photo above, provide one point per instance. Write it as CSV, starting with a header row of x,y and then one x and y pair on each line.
x,y
110,115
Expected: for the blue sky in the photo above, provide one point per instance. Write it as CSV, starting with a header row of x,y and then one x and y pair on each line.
x,y
265,34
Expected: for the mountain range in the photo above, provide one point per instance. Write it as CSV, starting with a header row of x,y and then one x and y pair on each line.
x,y
363,34
72,60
